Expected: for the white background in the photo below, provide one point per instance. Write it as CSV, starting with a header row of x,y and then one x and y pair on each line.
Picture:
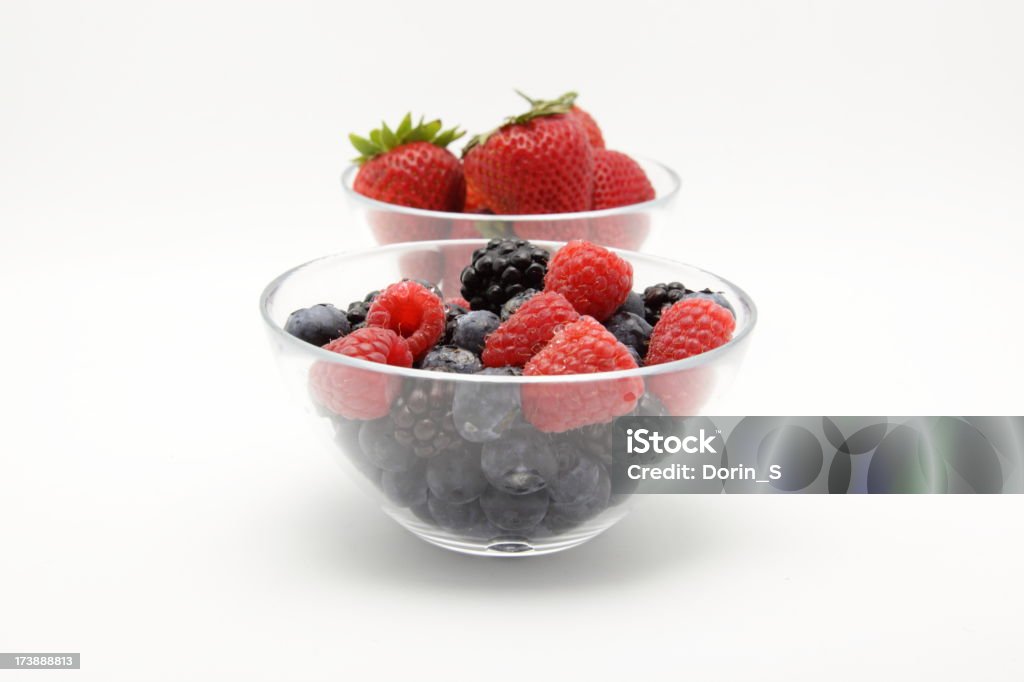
x,y
856,166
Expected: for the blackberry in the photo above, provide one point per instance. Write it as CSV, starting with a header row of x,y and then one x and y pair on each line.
x,y
451,359
318,325
512,305
660,295
357,310
422,417
502,269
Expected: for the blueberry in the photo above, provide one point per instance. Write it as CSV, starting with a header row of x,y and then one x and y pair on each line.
x,y
716,296
634,303
563,515
636,356
631,330
514,512
578,484
455,516
405,488
512,305
593,439
346,438
520,463
318,325
455,476
451,359
650,406
472,329
567,454
377,440
484,411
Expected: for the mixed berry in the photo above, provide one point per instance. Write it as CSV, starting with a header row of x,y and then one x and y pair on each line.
x,y
495,457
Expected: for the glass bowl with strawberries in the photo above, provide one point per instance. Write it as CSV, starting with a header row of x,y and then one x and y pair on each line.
x,y
545,174
484,424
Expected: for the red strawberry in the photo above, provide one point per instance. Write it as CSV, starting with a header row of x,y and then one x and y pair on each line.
x,y
589,127
537,162
618,180
410,166
585,120
474,201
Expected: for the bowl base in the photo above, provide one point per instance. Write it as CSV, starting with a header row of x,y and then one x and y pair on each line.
x,y
509,545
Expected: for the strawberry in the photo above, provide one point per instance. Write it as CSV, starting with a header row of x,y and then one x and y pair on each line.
x,y
537,162
589,127
618,180
474,201
587,121
411,166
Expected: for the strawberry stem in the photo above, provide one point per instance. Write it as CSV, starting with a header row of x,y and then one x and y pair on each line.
x,y
382,140
538,108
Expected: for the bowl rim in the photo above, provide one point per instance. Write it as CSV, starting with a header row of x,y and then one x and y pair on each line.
x,y
323,355
348,175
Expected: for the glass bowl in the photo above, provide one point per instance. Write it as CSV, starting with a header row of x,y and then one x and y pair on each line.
x,y
626,227
456,458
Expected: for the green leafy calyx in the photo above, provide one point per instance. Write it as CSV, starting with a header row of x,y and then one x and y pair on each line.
x,y
538,108
383,139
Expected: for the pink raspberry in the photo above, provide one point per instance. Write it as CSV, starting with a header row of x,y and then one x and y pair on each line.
x,y
360,393
592,278
583,347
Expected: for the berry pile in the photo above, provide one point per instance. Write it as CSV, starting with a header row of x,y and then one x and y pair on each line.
x,y
549,159
496,457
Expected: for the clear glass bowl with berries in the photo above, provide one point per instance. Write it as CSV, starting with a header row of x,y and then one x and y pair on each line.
x,y
480,417
545,174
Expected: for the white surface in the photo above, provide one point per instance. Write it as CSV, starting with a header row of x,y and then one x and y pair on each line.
x,y
856,166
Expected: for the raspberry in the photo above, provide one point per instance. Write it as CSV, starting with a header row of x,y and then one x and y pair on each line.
x,y
528,330
500,270
411,310
592,278
360,393
689,327
583,347
683,393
